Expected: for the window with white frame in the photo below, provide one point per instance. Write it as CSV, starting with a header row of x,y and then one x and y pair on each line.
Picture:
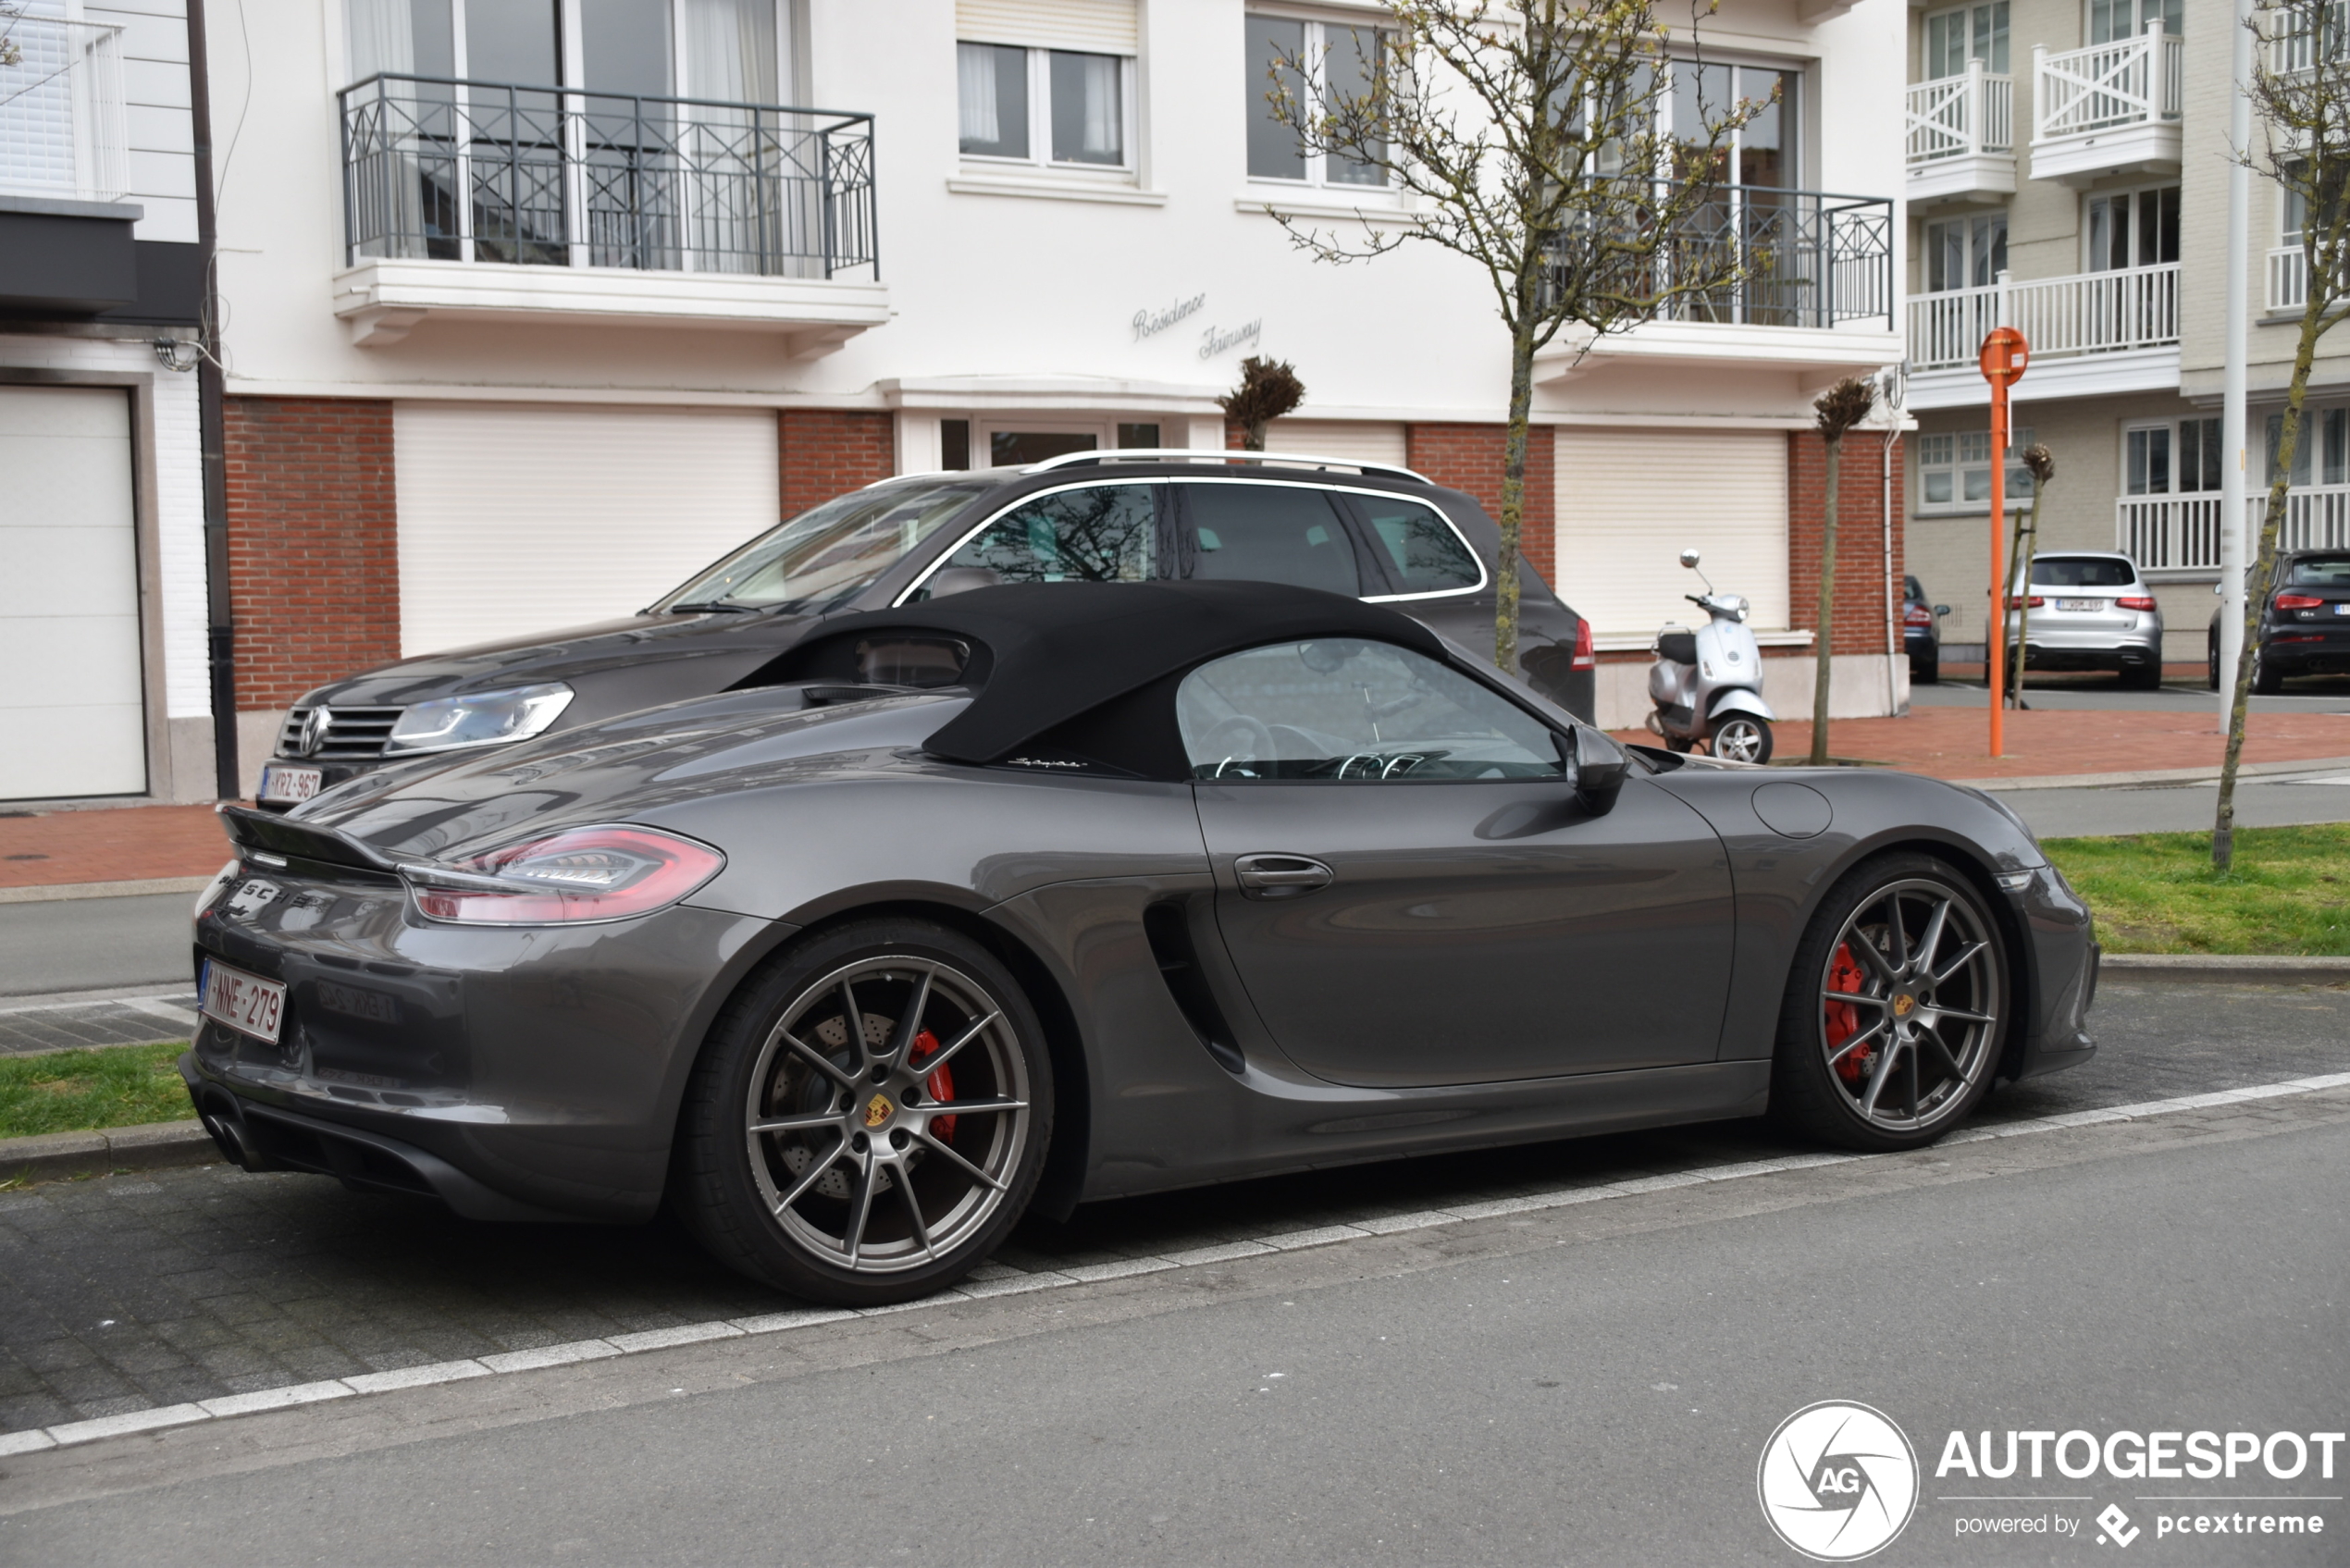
x,y
2127,228
734,50
1309,59
1954,469
1968,251
2321,451
1046,107
1966,32
2112,20
2170,457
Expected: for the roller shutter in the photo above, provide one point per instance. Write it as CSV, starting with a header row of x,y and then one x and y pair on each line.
x,y
519,520
72,698
1361,439
1097,26
1629,501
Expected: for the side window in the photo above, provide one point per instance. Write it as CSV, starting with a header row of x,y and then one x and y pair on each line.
x,y
1102,534
1426,555
1342,708
1268,534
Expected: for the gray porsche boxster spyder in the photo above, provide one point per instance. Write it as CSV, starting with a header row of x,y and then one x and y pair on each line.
x,y
1045,894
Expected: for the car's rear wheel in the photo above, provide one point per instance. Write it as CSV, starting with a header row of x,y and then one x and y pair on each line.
x,y
1926,669
2212,652
2265,678
870,1117
1741,738
1895,1008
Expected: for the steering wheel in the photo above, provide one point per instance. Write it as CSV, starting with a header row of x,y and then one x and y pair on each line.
x,y
1373,766
1240,738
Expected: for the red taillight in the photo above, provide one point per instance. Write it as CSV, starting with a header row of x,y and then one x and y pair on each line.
x,y
2135,601
2017,601
2298,601
603,874
1917,615
1586,656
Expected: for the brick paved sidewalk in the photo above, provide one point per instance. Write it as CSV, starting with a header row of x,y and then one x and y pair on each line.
x,y
138,843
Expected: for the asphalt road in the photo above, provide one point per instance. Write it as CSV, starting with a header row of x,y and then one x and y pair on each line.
x,y
62,944
2266,801
1583,1384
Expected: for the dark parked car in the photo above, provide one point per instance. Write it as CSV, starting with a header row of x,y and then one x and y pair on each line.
x,y
2305,628
1921,632
1385,534
1036,894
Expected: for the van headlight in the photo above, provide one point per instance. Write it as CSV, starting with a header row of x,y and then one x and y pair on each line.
x,y
485,718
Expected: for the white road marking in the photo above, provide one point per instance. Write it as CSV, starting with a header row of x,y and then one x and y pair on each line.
x,y
1001,1279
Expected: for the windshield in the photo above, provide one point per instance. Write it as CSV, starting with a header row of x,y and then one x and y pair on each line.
x,y
2082,572
2322,571
823,556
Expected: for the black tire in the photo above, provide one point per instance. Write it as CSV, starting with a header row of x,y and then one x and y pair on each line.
x,y
1836,1062
1742,737
2145,678
920,1192
2213,654
1676,743
1926,671
2266,680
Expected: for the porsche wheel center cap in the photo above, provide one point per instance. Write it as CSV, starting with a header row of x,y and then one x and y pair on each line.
x,y
1904,1005
878,1110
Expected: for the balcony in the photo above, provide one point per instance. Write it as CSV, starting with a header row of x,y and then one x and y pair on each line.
x,y
2181,534
2091,333
1962,137
1814,292
63,132
490,201
2112,108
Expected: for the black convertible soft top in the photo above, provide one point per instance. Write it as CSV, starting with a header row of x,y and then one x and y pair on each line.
x,y
1057,650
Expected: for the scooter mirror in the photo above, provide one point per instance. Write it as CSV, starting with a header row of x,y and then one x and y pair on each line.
x,y
1689,559
1600,765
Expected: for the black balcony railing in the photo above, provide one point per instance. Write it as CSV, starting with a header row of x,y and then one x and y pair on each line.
x,y
1760,256
475,171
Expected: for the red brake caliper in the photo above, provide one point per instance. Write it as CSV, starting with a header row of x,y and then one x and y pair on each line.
x,y
940,1085
1843,1018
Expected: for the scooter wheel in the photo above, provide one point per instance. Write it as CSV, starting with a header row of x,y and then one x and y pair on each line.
x,y
1741,738
1678,743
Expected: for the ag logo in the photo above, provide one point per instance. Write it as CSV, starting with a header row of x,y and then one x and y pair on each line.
x,y
1838,1481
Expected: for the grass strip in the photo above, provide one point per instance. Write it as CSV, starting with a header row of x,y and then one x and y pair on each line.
x,y
2288,892
89,1090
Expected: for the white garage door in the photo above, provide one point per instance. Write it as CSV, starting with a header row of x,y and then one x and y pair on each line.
x,y
1629,501
71,689
1363,440
520,521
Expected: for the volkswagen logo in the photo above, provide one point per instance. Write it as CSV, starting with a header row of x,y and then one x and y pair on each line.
x,y
1838,1481
313,732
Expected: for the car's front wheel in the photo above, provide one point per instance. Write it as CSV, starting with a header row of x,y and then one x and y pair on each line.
x,y
869,1117
1895,1008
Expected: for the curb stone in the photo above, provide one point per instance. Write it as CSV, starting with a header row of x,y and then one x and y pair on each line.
x,y
55,1156
2224,969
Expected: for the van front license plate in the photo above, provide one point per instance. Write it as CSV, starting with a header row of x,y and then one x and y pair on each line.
x,y
290,786
246,1003
2078,604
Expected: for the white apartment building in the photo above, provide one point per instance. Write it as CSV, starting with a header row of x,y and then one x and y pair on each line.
x,y
104,666
2068,167
535,305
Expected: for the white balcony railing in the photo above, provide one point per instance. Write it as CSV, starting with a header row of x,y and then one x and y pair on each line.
x,y
2183,533
2107,86
2091,312
1961,115
63,132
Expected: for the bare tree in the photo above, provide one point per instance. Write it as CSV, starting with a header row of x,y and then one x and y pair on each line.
x,y
2042,462
2301,91
1528,137
1268,390
1835,411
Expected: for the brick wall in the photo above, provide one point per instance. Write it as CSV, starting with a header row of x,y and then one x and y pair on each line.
x,y
825,453
1468,457
314,558
1860,553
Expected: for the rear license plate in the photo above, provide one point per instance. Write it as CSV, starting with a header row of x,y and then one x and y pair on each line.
x,y
2342,609
2079,604
291,785
246,1003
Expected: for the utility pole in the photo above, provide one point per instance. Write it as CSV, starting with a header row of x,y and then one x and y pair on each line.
x,y
2234,435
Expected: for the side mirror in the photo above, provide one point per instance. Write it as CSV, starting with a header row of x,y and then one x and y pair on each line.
x,y
1600,765
961,579
1942,609
1689,559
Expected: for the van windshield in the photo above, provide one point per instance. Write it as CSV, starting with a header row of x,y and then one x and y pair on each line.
x,y
828,553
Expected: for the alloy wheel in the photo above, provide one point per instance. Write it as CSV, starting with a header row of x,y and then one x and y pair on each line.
x,y
1908,1007
1742,740
887,1113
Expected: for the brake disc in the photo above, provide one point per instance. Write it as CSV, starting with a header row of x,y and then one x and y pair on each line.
x,y
833,1034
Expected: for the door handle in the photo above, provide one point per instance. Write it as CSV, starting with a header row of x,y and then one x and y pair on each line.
x,y
1279,876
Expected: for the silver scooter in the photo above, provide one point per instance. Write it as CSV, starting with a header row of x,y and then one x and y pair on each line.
x,y
1707,684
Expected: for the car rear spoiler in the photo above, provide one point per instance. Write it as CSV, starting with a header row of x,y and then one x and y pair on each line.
x,y
266,832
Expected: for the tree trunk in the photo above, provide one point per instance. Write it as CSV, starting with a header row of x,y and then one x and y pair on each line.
x,y
1252,438
1824,662
1513,519
2255,595
2023,563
